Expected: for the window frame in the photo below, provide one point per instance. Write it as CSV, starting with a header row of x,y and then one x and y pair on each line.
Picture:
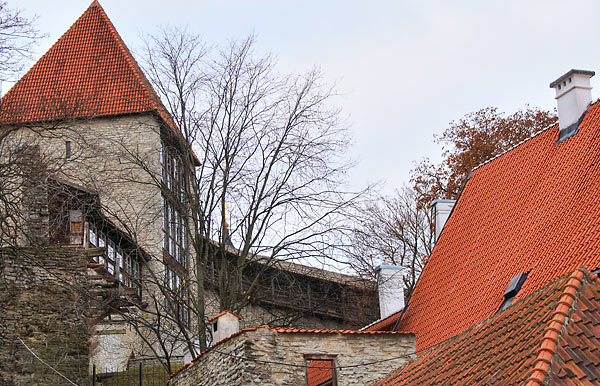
x,y
126,265
174,222
321,357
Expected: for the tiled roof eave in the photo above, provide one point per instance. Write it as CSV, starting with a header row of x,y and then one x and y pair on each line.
x,y
55,121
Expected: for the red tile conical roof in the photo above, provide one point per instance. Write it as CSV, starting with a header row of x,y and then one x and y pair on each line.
x,y
88,72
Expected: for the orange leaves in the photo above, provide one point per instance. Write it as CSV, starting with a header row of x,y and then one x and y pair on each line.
x,y
472,140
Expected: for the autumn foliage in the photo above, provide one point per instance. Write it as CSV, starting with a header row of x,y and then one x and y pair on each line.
x,y
470,141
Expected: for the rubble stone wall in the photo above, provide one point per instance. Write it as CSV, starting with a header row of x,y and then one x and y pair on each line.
x,y
42,305
237,361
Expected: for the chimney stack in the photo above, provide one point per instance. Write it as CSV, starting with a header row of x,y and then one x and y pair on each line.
x,y
573,96
440,211
391,289
223,325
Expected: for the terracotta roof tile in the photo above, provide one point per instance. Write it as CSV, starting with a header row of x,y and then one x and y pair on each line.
x,y
531,342
89,72
223,313
579,351
318,372
321,331
534,209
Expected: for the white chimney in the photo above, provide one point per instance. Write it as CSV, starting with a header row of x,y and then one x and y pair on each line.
x,y
224,325
391,289
440,211
573,96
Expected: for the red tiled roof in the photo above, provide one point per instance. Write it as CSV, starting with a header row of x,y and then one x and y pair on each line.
x,y
384,324
89,72
577,359
318,372
552,334
534,209
223,313
320,331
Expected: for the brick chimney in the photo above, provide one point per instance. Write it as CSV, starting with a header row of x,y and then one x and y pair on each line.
x,y
391,289
224,325
573,96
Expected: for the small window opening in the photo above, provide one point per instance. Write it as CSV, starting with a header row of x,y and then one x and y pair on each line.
x,y
215,327
320,369
76,220
68,152
569,80
512,289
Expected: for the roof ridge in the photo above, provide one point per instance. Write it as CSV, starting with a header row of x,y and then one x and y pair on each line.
x,y
514,146
553,331
523,141
328,331
223,313
135,67
131,62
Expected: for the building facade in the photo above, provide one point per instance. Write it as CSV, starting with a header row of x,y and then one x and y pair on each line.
x,y
115,168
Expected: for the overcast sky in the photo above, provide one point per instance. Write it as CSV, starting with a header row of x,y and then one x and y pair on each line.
x,y
407,68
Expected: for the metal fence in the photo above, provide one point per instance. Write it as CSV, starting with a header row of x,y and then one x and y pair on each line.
x,y
140,376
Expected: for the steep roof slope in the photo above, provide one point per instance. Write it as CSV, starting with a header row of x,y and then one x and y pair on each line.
x,y
534,209
88,72
552,335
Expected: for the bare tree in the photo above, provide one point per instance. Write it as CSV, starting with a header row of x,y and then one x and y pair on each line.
x,y
392,230
268,185
18,35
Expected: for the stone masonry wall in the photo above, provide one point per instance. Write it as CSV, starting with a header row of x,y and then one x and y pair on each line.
x,y
41,306
223,364
118,157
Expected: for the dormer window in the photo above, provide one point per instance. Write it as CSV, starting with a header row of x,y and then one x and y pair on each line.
x,y
512,290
